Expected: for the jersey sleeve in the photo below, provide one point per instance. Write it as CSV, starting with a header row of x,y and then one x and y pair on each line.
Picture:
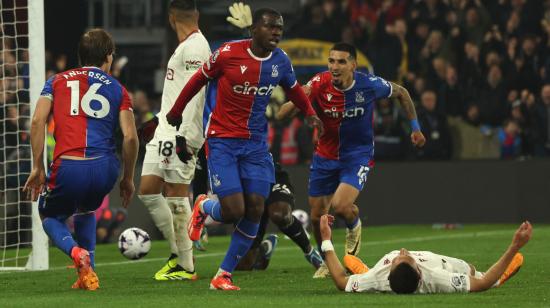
x,y
382,88
213,68
126,102
362,283
192,60
313,85
288,79
47,91
446,282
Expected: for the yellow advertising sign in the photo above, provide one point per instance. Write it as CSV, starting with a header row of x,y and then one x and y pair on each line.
x,y
304,52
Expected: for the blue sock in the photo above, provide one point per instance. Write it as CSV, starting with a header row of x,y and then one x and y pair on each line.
x,y
84,229
59,234
353,224
214,209
241,240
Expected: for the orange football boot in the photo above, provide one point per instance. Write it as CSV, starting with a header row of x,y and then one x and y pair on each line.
x,y
87,278
196,224
354,265
512,268
223,281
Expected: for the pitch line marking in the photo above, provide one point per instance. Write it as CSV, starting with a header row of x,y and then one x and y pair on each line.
x,y
370,243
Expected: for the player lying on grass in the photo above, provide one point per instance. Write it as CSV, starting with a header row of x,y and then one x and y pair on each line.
x,y
403,271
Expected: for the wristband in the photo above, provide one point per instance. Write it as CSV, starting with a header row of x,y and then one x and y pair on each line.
x,y
326,245
414,125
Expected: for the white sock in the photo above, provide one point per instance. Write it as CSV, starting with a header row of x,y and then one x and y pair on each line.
x,y
181,210
162,216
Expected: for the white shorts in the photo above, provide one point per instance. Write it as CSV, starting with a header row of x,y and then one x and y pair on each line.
x,y
161,160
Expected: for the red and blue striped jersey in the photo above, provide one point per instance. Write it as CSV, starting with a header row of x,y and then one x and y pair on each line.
x,y
243,84
86,103
347,115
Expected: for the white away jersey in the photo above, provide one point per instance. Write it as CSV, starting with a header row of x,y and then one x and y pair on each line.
x,y
440,274
186,60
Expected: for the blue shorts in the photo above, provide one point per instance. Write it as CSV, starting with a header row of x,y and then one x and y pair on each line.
x,y
74,185
326,174
239,165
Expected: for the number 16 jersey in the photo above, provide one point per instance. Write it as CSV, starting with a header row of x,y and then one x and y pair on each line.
x,y
86,103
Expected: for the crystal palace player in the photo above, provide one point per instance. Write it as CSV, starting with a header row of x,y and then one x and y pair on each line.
x,y
163,171
240,166
343,156
87,104
278,209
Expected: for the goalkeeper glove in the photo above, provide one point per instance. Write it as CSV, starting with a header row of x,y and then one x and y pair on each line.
x,y
181,149
146,131
241,16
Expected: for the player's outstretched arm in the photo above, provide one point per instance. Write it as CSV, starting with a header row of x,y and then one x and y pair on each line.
x,y
331,259
521,237
288,109
402,95
130,146
299,98
193,86
37,178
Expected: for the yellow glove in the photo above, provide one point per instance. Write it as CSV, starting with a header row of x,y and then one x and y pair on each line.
x,y
241,16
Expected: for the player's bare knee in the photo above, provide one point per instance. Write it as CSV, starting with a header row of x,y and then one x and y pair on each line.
x,y
254,212
233,213
342,209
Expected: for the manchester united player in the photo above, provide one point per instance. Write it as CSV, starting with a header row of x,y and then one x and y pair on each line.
x,y
405,272
165,179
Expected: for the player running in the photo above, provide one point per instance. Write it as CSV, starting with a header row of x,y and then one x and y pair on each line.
x,y
240,166
278,209
403,271
86,103
344,154
165,179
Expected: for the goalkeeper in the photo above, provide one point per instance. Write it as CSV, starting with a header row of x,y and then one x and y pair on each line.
x,y
403,271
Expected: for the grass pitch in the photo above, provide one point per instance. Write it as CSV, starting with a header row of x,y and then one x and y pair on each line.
x,y
287,282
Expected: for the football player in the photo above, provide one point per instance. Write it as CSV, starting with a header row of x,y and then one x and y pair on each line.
x,y
87,104
165,179
405,272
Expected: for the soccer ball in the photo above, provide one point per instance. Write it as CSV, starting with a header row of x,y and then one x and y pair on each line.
x,y
302,216
134,243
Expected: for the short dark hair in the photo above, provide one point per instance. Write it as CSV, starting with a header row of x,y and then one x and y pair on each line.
x,y
404,279
94,47
345,47
259,13
184,5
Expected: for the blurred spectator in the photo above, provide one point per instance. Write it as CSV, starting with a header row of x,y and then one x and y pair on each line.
x,y
317,26
492,99
451,94
510,141
385,50
540,114
390,139
435,128
142,107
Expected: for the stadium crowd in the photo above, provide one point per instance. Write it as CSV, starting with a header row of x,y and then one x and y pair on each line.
x,y
476,69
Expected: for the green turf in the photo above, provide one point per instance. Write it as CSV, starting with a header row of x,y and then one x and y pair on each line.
x,y
288,280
